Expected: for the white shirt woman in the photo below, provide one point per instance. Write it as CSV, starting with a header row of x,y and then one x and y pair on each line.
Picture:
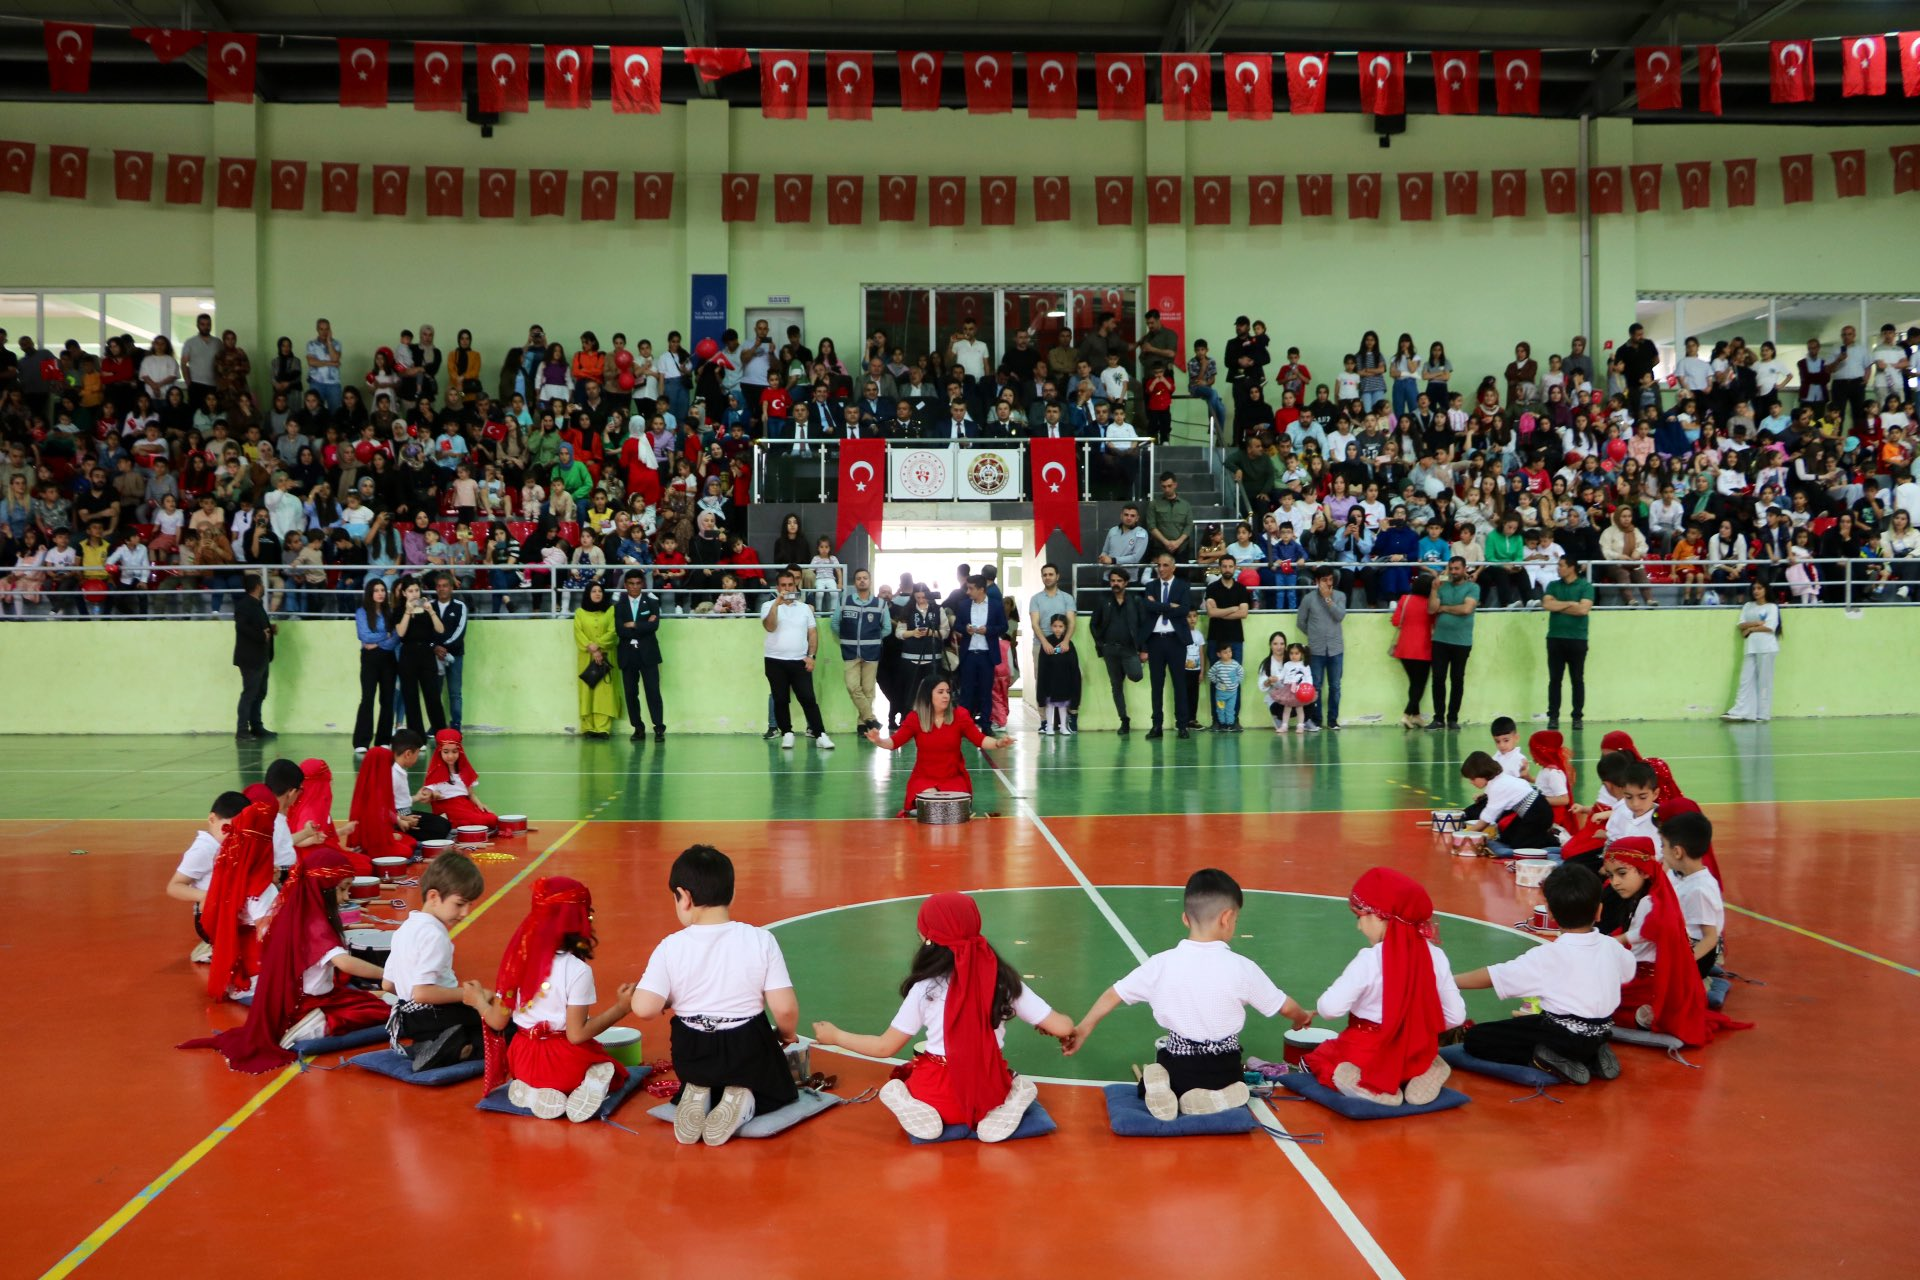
x,y
1760,625
158,372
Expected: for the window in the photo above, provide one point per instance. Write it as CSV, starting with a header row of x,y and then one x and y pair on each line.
x,y
921,319
89,317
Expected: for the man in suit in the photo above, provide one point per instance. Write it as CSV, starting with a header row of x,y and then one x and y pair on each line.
x,y
1163,641
901,426
1118,619
451,651
981,624
636,630
253,633
955,426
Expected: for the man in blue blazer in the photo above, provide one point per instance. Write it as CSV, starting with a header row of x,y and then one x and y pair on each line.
x,y
980,625
1164,638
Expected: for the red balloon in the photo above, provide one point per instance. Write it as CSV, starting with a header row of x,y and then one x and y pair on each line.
x,y
705,349
363,451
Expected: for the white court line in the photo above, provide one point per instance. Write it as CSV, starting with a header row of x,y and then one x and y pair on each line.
x,y
1343,1214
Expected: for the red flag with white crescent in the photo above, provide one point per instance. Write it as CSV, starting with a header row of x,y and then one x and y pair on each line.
x,y
497,188
567,82
739,197
1656,78
235,190
1849,174
989,83
1316,195
1416,197
1696,183
1052,199
783,84
1509,193
1796,179
849,86
863,489
846,200
446,191
1212,201
1646,180
899,197
1266,199
438,77
1740,183
636,78
1603,189
230,66
363,73
1456,81
287,186
1186,86
1792,79
1363,196
946,202
1053,86
1120,85
67,172
1516,82
339,188
1113,201
16,167
1163,200
652,197
598,191
1863,66
1383,83
1249,86
1709,55
1056,491
133,175
1463,193
502,77
186,179
920,79
69,56
1910,63
793,197
390,183
996,201
1557,190
546,193
1906,167
1307,83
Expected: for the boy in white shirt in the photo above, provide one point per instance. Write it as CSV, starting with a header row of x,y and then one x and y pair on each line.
x,y
195,872
1513,813
430,1008
721,977
1687,837
1115,382
1199,992
284,779
407,746
1506,747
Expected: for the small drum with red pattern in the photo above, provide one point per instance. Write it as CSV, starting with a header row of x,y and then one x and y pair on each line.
x,y
512,824
469,837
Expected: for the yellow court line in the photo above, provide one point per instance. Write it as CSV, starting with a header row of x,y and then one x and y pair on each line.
x,y
200,1150
1832,942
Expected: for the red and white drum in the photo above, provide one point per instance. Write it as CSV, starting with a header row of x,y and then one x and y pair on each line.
x,y
512,824
364,887
434,848
469,837
1303,1042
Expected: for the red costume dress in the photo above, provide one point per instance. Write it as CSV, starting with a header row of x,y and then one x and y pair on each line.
x,y
938,764
1405,1041
315,805
540,1055
242,871
460,810
1671,984
972,1077
373,810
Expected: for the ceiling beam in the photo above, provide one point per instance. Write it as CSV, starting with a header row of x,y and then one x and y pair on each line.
x,y
1193,25
696,26
1769,15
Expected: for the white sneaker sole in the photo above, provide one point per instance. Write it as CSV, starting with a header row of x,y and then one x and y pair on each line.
x,y
311,1027
1426,1086
690,1115
735,1109
998,1124
1346,1078
1161,1104
583,1104
546,1104
201,954
1208,1102
918,1118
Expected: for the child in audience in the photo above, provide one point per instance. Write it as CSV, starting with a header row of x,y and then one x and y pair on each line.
x,y
721,977
407,747
1397,996
430,1008
1225,676
1686,840
195,872
1196,667
240,893
1199,992
1549,752
450,783
380,833
963,994
1577,979
1512,811
1059,678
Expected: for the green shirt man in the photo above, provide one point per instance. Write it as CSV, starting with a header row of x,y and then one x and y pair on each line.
x,y
1453,624
1564,620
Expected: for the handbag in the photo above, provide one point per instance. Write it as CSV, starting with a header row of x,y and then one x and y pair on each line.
x,y
597,670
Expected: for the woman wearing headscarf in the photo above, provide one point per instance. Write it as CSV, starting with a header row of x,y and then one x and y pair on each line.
x,y
592,643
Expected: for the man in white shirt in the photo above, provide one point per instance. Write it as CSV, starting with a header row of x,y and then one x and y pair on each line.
x,y
1126,542
971,354
792,639
753,374
285,511
1849,384
1123,451
1889,365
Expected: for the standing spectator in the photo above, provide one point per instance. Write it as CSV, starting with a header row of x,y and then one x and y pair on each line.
x,y
1371,364
418,628
285,372
980,622
197,357
1760,629
1246,358
864,620
1413,644
636,628
757,360
1163,640
1170,521
1320,617
1126,542
1452,603
1567,602
792,639
1227,603
593,635
1202,373
1159,347
159,372
971,357
323,365
378,671
1849,379
253,633
451,652
1637,356
1118,621
1046,605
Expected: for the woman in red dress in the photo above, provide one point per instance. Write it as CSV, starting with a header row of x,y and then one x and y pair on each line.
x,y
937,724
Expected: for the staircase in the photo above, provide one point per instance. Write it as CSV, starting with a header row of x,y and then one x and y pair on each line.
x,y
1188,462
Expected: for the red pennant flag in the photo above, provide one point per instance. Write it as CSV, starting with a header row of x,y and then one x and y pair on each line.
x,y
186,179
1316,195
1052,199
1363,196
652,197
230,65
1603,189
1163,201
1696,183
1416,197
69,56
133,175
1463,193
167,44
547,193
1646,187
996,201
989,83
1910,63
1456,82
1709,55
1509,193
1792,71
1849,174
502,78
67,172
16,167
1863,67
1120,85
235,190
1656,77
1307,83
1557,190
792,196
363,73
598,187
636,79
1249,86
846,200
437,78
1266,198
920,80
946,202
446,192
1212,201
1383,84
1186,86
1113,201
339,188
783,84
1053,86
716,64
390,183
1516,82
849,86
1740,183
567,84
863,488
1906,168
899,197
287,186
1796,179
497,192
739,197
1056,498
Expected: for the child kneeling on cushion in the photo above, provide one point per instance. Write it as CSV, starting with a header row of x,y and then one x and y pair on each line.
x,y
963,994
432,1010
1199,993
450,783
1666,993
240,894
1397,995
1513,813
1577,979
1687,838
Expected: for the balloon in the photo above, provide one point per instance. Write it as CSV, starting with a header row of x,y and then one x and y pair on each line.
x,y
1304,692
705,349
363,451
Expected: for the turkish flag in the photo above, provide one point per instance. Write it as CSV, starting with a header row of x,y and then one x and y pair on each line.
x,y
717,64
16,167
989,83
1696,183
567,84
1792,71
652,197
1456,82
1656,77
636,79
390,183
167,44
287,186
186,179
1383,84
133,175
946,202
996,201
598,187
546,193
235,190
446,191
846,200
339,188
1316,195
739,197
1849,174
502,78
1646,187
230,65
1557,190
1416,197
363,73
1163,200
1910,63
1516,82
793,197
437,74
1709,55
67,172
1863,66
1906,168
1740,183
1056,498
863,488
1266,200
920,80
1509,193
899,197
69,56
1052,199
1053,86
1186,86
1463,193
1113,201
1249,86
1796,179
1212,201
1120,85
1307,83
497,192
783,84
1363,196
1603,189
849,86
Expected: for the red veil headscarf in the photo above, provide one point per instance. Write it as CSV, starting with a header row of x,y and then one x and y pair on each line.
x,y
1549,751
1618,741
976,1069
315,805
298,933
257,793
437,770
241,870
1680,804
560,906
1679,1000
1410,1017
372,810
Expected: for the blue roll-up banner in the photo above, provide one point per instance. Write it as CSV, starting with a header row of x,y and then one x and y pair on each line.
x,y
709,308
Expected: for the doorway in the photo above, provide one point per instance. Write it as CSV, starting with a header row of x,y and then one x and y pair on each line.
x,y
931,553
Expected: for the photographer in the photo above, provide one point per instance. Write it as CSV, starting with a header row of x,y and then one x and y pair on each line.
x,y
417,626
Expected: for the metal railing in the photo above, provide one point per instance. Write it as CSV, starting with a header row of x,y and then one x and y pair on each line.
x,y
786,470
1851,583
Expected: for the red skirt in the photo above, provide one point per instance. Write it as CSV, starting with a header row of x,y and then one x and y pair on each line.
x,y
545,1059
1636,991
347,1009
461,811
1355,1045
928,1080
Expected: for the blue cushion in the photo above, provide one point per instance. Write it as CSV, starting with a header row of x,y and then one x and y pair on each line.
x,y
334,1044
1717,988
1645,1039
636,1076
1459,1059
810,1103
1035,1124
1128,1115
398,1066
1312,1090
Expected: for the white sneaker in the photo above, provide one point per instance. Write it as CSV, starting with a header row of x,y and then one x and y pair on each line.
x,y
735,1109
1643,1017
786,742
1311,727
823,742
583,1103
202,953
359,753
1426,1086
311,1027
1068,730
690,1115
918,1118
1161,1104
547,1104
1346,1078
998,1124
1207,1102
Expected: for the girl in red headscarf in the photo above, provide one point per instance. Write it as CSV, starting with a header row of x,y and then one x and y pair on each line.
x,y
239,896
1665,993
543,1002
298,995
1397,996
963,994
315,805
451,780
373,812
1554,779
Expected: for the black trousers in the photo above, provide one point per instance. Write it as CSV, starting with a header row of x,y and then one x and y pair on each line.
x,y
376,681
1417,669
1123,665
420,679
432,827
1569,656
632,677
1449,679
1197,1070
790,675
1167,657
746,1057
1852,392
253,696
423,1022
1514,1040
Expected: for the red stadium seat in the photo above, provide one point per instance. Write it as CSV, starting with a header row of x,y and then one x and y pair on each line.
x,y
520,530
569,531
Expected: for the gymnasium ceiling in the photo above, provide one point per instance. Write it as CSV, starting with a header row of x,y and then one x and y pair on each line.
x,y
1585,69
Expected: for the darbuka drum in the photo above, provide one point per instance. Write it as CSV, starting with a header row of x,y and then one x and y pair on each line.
x,y
512,824
469,837
943,808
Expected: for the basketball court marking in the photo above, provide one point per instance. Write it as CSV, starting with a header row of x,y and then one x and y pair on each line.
x,y
1821,937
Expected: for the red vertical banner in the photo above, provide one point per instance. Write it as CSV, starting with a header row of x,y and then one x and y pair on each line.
x,y
1709,55
793,197
1316,195
1696,183
1249,86
899,196
547,193
1168,296
1114,201
946,202
846,200
288,186
1120,86
1212,201
1796,179
1056,476
598,188
390,183
920,79
1053,86
1849,174
1186,86
739,197
446,192
783,84
652,197
1906,168
1558,190
133,175
1516,82
67,172
863,488
1416,197
16,167
1509,193
849,86
1163,201
236,184
1604,194
1363,196
989,83
996,202
1456,82
1052,199
1740,183
230,64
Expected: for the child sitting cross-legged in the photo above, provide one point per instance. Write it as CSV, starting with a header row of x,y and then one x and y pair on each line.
x,y
431,1010
1513,813
450,784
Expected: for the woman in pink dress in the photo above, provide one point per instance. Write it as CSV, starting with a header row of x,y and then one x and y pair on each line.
x,y
937,724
